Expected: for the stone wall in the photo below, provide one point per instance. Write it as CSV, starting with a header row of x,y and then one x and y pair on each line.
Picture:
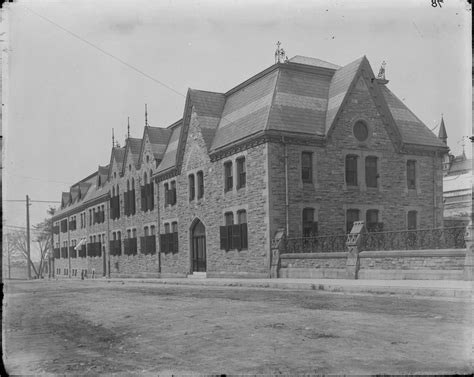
x,y
328,193
314,265
211,208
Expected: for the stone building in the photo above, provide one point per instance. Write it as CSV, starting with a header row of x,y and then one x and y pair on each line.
x,y
305,146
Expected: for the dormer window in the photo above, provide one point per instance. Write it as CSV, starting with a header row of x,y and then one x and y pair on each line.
x,y
147,159
129,167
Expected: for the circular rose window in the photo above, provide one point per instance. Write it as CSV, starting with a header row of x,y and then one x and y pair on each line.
x,y
361,131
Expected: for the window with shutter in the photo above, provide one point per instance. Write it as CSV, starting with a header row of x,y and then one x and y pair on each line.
x,y
244,236
143,198
223,238
351,170
163,243
371,174
236,237
166,194
175,242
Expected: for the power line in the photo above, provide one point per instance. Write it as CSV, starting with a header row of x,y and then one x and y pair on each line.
x,y
34,201
39,179
106,53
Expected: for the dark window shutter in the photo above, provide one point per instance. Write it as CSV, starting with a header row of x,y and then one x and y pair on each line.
x,y
243,234
169,240
163,243
125,203
152,196
174,237
143,198
230,244
143,248
223,236
236,234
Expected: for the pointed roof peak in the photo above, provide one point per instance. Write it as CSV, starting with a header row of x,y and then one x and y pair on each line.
x,y
442,134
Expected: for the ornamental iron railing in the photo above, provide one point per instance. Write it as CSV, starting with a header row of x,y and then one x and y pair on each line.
x,y
319,244
420,239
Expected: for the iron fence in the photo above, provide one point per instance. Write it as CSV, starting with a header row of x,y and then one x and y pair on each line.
x,y
319,244
420,239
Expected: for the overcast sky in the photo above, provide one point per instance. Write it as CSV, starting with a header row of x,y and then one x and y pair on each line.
x,y
64,96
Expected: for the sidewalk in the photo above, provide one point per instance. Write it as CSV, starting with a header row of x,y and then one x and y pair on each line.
x,y
432,288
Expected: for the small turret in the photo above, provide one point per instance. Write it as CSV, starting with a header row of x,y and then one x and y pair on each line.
x,y
442,135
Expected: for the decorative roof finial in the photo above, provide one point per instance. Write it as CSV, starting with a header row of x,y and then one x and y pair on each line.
x,y
381,74
146,116
442,134
280,55
128,127
113,139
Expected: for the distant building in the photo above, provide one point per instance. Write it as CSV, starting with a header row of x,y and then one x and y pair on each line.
x,y
457,185
304,146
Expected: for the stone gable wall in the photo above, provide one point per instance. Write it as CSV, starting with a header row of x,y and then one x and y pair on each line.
x,y
328,193
211,208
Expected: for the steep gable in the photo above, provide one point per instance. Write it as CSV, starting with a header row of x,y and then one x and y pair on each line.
x,y
154,140
169,158
132,153
116,160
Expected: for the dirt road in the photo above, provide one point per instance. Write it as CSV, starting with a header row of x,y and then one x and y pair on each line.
x,y
97,327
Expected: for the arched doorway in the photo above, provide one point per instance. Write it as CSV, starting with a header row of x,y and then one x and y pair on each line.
x,y
198,247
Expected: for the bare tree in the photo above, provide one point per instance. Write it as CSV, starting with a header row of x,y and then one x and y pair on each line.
x,y
43,238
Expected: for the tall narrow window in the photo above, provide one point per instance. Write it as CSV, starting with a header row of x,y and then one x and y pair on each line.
x,y
372,221
307,167
241,172
167,195
173,193
145,231
228,179
229,218
371,174
191,187
411,174
310,227
351,170
411,220
200,184
167,227
351,216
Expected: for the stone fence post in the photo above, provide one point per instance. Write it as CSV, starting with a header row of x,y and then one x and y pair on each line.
x,y
277,248
469,260
353,242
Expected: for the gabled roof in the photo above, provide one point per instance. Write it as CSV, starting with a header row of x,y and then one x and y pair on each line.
x,y
74,193
132,147
158,138
341,83
412,129
169,158
246,111
117,154
313,61
65,199
208,107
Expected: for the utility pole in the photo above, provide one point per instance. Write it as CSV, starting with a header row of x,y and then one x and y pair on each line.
x,y
28,234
